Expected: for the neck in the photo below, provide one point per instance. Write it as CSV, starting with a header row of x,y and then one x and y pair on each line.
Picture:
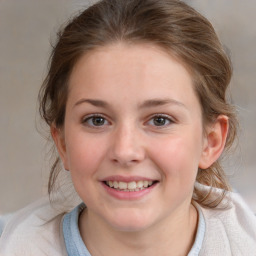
x,y
165,237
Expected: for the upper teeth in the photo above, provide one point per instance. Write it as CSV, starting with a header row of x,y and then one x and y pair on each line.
x,y
133,185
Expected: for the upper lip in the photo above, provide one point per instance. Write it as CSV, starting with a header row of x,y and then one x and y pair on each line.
x,y
127,178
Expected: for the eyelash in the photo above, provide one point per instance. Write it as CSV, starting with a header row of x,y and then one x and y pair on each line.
x,y
89,118
86,120
165,118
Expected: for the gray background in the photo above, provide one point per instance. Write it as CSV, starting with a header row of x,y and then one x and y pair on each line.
x,y
27,27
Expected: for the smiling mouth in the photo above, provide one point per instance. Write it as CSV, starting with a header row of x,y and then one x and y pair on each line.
x,y
130,186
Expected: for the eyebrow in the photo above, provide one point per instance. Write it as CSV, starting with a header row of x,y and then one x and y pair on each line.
x,y
94,102
146,104
160,102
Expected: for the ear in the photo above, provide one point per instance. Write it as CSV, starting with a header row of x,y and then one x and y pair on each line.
x,y
214,142
59,140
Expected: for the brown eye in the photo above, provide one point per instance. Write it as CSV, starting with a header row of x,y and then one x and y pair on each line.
x,y
98,121
95,121
159,121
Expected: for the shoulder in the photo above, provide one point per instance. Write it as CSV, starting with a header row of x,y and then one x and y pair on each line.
x,y
34,230
230,228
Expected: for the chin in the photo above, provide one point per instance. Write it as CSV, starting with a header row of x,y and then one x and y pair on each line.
x,y
131,222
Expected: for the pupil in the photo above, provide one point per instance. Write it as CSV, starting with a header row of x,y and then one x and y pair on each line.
x,y
98,121
159,121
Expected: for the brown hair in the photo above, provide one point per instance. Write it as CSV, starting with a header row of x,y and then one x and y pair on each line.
x,y
170,24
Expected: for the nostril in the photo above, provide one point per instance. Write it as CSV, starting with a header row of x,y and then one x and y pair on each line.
x,y
125,162
126,148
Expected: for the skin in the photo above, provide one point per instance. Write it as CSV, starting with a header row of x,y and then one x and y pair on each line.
x,y
129,86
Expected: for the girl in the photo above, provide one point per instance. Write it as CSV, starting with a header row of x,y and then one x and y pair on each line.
x,y
135,99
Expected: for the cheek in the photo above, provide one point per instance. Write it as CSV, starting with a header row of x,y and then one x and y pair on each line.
x,y
178,158
84,155
84,159
177,161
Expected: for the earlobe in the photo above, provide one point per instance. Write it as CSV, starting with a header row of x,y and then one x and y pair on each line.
x,y
215,141
58,137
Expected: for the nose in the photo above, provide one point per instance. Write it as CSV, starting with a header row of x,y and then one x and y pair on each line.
x,y
127,146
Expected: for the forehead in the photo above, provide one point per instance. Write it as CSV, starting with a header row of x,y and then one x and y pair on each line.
x,y
141,71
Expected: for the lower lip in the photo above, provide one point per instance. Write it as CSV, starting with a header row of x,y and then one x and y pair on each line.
x,y
126,195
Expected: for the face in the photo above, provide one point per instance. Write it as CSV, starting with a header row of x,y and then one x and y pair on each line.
x,y
133,136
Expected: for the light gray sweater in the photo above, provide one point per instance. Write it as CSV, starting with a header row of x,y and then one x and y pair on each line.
x,y
37,231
